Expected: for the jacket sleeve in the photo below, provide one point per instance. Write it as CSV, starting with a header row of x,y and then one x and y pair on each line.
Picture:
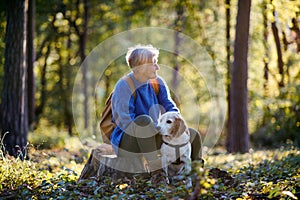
x,y
164,97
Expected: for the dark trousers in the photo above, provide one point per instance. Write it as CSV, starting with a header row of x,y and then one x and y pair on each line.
x,y
142,138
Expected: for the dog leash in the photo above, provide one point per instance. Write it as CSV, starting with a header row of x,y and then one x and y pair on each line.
x,y
177,151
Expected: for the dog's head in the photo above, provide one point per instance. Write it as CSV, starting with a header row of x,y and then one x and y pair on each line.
x,y
172,125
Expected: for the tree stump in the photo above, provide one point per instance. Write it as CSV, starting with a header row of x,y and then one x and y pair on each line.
x,y
103,162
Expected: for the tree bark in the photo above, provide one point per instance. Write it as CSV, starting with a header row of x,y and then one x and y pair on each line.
x,y
266,57
30,61
40,108
103,162
239,137
14,121
228,62
178,26
296,29
280,63
279,54
266,46
82,46
69,122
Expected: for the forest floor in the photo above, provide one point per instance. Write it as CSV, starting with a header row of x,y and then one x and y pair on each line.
x,y
54,173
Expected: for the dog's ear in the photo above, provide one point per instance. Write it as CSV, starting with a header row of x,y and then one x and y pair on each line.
x,y
179,127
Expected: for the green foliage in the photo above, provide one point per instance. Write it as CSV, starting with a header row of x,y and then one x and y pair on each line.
x,y
259,175
16,174
281,124
272,178
54,175
47,137
57,43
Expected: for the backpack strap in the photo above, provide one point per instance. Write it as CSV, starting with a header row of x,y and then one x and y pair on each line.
x,y
155,85
131,85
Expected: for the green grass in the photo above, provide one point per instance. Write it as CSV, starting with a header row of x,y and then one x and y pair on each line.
x,y
53,174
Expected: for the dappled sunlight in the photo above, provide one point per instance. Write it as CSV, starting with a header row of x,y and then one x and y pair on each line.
x,y
53,173
232,65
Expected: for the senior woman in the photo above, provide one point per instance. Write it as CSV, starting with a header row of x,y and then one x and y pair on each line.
x,y
136,112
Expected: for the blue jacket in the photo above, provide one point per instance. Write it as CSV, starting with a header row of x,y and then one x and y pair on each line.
x,y
125,108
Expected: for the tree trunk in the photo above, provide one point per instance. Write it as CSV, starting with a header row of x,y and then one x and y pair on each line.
x,y
69,122
296,29
40,108
228,62
14,95
103,162
279,54
30,61
82,47
178,26
239,137
280,63
266,46
266,57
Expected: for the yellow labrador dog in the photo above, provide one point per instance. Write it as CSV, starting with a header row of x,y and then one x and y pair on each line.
x,y
176,146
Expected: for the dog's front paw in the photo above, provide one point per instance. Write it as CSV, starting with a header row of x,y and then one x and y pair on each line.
x,y
189,182
167,180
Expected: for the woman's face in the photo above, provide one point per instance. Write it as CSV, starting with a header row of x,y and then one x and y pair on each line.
x,y
147,71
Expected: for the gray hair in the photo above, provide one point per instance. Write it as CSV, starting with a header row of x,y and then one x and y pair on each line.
x,y
141,54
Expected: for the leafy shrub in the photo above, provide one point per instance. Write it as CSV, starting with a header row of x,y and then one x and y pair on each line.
x,y
283,128
47,137
281,123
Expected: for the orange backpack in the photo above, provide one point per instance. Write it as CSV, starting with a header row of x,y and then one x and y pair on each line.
x,y
106,124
